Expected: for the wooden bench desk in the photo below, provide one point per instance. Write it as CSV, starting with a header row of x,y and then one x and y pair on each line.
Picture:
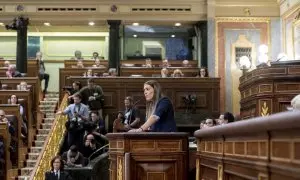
x,y
27,105
206,90
64,73
36,88
5,137
32,68
149,72
21,150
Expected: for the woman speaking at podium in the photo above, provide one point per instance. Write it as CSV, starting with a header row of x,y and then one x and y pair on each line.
x,y
159,110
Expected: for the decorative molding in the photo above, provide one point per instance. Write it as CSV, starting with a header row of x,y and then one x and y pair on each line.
x,y
264,109
220,172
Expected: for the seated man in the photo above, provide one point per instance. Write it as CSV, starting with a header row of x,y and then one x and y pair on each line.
x,y
77,55
73,158
42,69
148,63
185,63
98,122
225,118
90,145
131,116
295,103
165,64
3,119
112,72
12,71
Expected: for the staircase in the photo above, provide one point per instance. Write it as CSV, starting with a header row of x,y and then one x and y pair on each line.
x,y
48,107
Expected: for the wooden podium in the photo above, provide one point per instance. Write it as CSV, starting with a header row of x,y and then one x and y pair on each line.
x,y
148,156
269,90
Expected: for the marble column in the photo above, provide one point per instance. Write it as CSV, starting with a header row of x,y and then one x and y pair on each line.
x,y
21,60
114,44
203,29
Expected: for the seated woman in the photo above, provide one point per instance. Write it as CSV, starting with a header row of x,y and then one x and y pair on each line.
x,y
159,110
23,86
164,72
202,72
57,170
79,64
148,63
177,73
14,100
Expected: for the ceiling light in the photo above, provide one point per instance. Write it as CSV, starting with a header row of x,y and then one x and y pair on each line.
x,y
135,24
135,35
1,24
91,23
177,24
173,35
47,24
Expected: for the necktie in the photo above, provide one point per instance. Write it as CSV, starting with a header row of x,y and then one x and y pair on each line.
x,y
56,175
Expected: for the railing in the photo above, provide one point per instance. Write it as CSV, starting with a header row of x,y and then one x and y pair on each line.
x,y
263,148
51,146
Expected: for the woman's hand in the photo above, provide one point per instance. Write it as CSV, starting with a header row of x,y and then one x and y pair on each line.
x,y
136,130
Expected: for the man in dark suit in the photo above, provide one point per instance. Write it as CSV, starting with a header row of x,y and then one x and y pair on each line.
x,y
12,72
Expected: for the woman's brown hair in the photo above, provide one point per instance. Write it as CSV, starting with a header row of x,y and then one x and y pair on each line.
x,y
61,168
151,105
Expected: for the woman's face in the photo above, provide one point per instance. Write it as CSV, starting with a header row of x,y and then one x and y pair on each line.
x,y
13,99
97,62
56,164
148,92
202,72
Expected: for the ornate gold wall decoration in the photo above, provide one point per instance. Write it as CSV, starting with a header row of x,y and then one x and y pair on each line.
x,y
197,169
236,73
120,169
264,110
247,12
220,172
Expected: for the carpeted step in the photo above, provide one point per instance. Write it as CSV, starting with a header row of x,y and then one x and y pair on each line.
x,y
23,177
47,125
39,143
26,171
48,102
30,163
33,156
36,149
43,131
51,99
49,120
41,137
